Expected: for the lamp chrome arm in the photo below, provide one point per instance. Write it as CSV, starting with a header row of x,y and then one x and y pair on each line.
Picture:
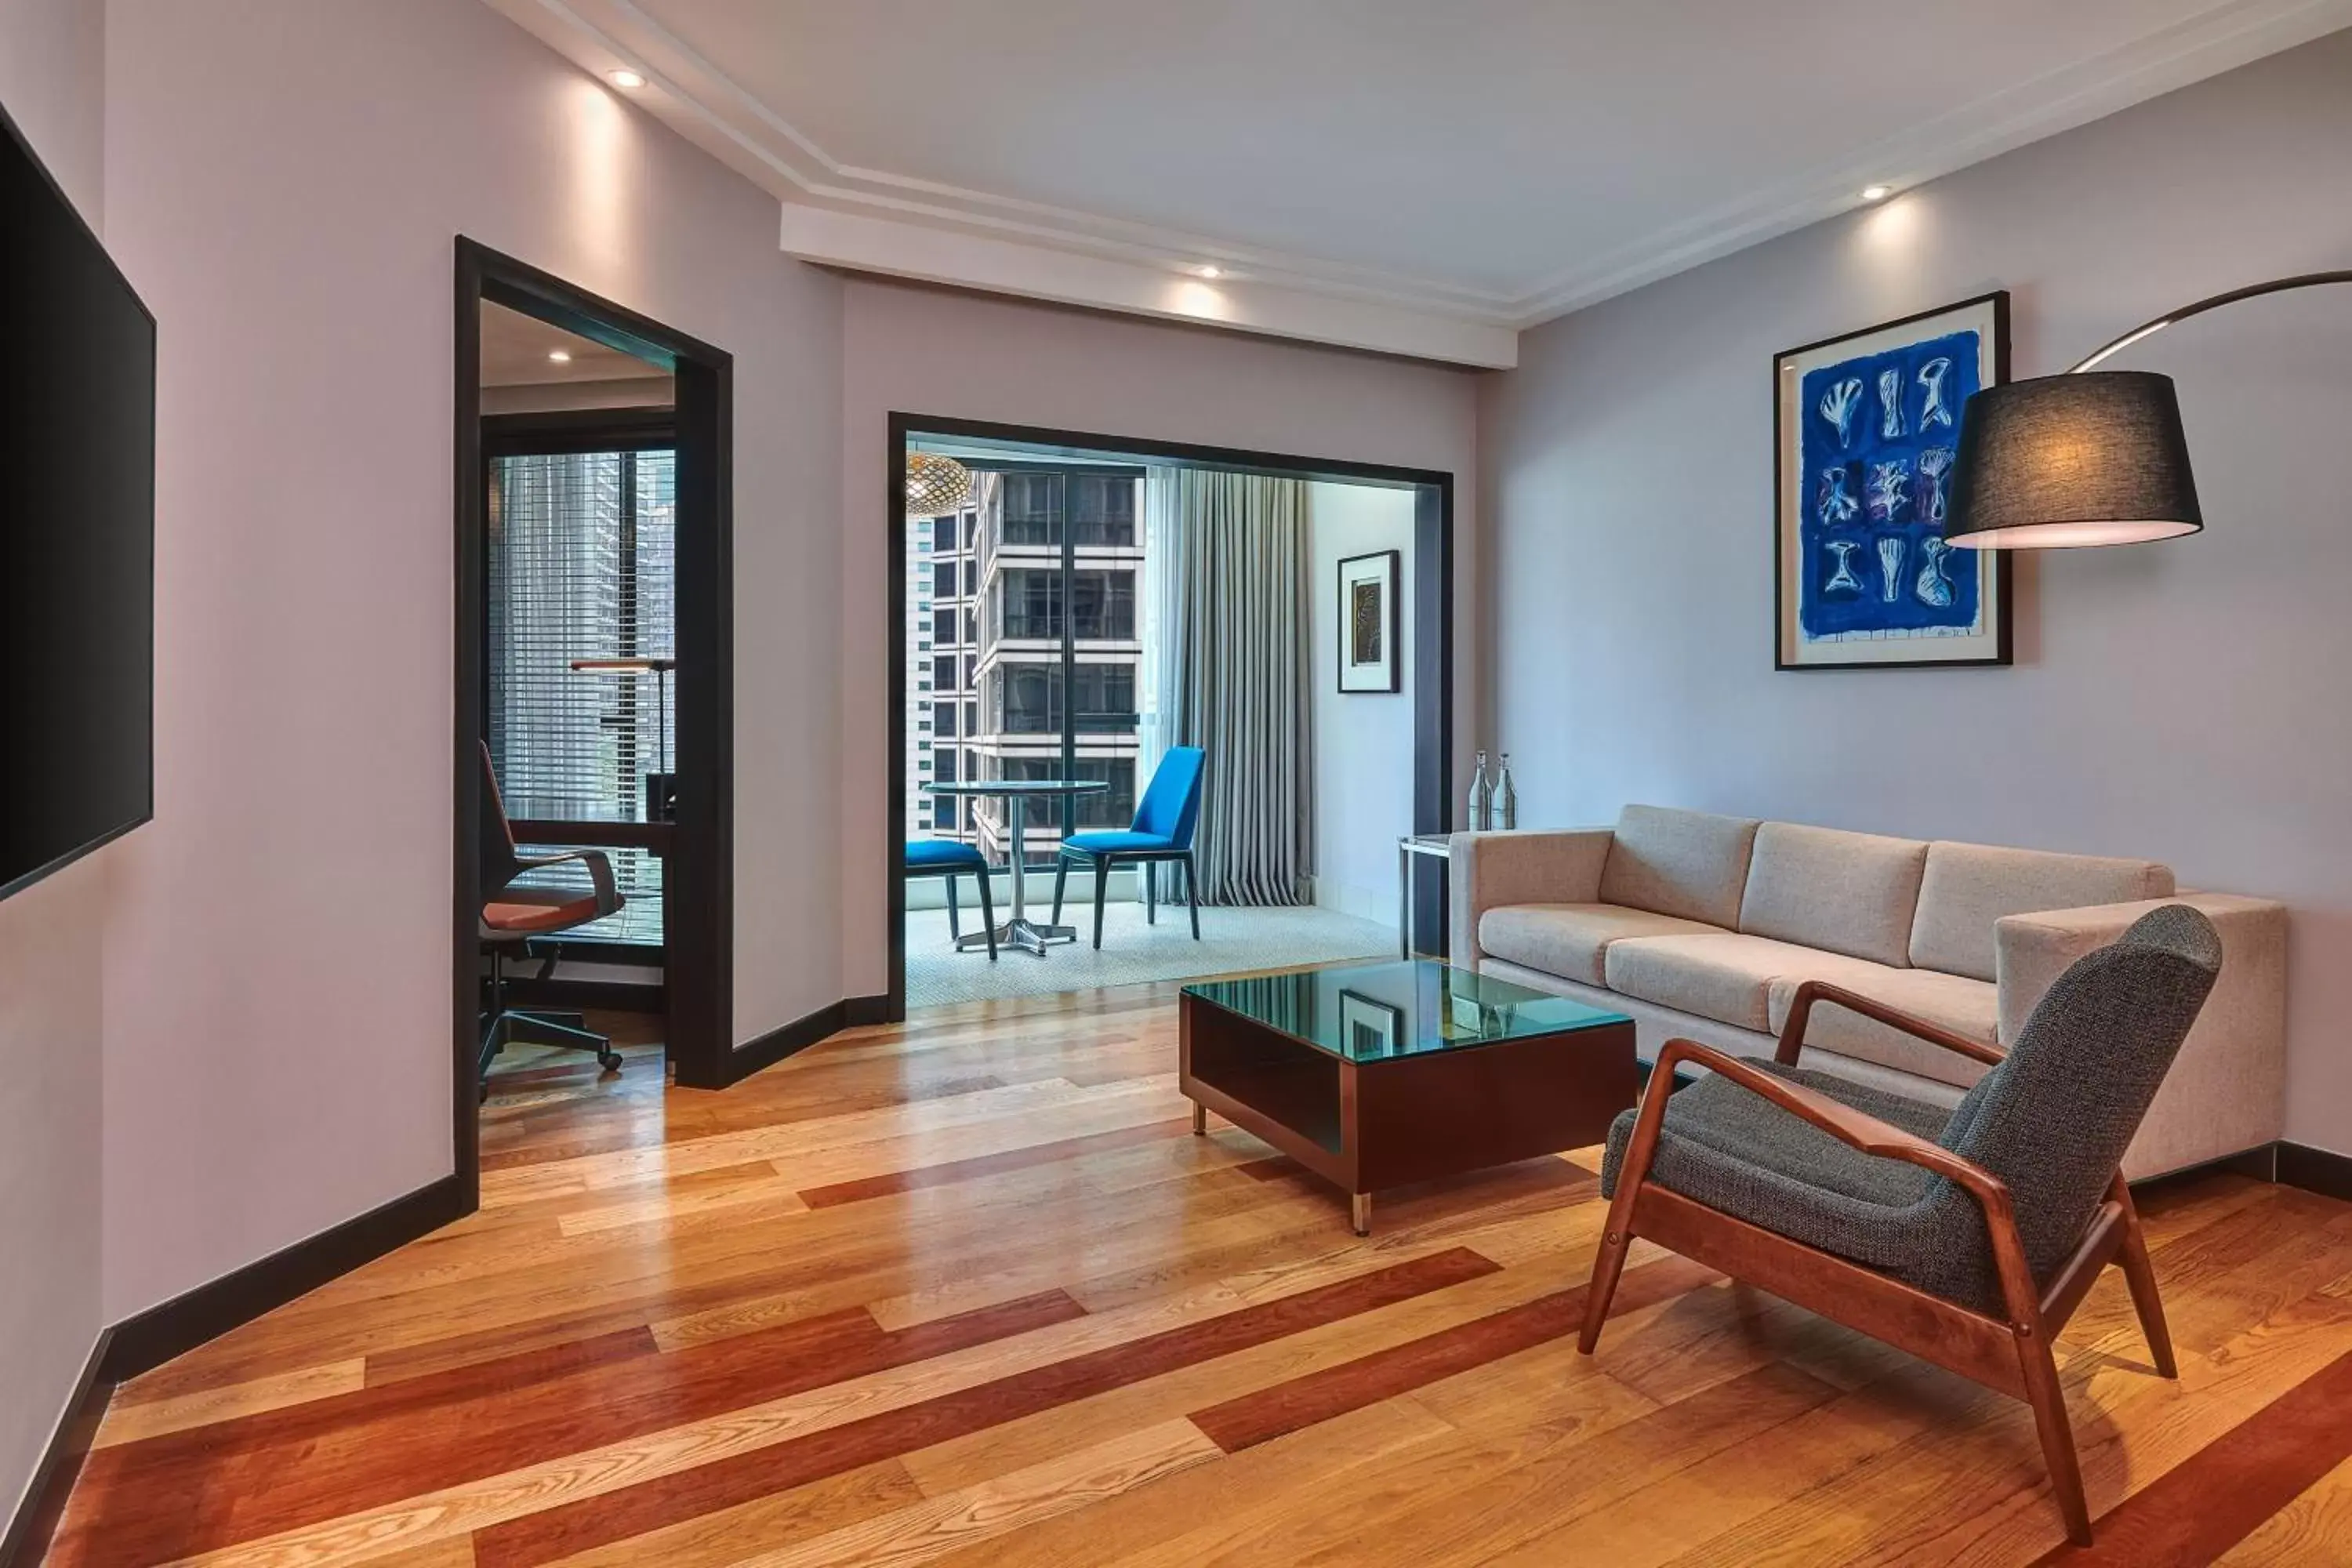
x,y
2252,291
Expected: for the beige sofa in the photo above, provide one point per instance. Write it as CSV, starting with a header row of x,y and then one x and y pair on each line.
x,y
1703,925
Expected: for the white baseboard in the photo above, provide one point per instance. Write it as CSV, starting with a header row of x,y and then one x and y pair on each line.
x,y
1376,904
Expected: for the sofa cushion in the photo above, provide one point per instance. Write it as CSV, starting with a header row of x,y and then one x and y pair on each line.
x,y
1853,893
1967,887
1722,976
1567,940
1965,1006
1687,863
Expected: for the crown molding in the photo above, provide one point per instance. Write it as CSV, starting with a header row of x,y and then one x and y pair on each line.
x,y
861,242
878,221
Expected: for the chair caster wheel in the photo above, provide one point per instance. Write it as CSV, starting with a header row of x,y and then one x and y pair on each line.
x,y
609,1060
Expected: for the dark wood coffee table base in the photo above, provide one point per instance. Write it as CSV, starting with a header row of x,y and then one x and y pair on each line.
x,y
1366,1126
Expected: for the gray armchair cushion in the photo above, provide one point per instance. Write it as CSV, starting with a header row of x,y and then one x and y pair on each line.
x,y
2052,1121
1739,1152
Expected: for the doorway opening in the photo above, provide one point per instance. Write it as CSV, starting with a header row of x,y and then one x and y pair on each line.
x,y
1143,689
591,768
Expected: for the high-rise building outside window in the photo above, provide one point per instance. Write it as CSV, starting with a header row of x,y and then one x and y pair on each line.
x,y
1032,614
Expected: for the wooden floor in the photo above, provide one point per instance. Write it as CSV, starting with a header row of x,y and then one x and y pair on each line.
x,y
968,1293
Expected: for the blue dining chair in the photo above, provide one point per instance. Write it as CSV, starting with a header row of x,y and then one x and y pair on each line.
x,y
946,857
1162,830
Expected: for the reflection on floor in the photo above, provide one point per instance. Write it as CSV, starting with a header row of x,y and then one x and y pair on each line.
x,y
526,1074
1232,940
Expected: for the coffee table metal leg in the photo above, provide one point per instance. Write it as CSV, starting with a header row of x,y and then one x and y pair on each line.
x,y
1360,1211
1404,901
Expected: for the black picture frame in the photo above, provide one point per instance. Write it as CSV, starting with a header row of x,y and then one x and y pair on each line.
x,y
1357,1011
1391,630
1998,641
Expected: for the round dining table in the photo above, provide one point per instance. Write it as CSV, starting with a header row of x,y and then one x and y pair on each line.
x,y
1018,930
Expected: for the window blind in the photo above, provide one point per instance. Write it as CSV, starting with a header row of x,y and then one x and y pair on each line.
x,y
582,564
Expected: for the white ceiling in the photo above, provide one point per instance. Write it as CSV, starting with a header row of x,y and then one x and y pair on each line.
x,y
1485,162
515,349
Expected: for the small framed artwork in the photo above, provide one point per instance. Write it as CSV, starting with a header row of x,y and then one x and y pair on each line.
x,y
1368,623
1373,1028
1864,429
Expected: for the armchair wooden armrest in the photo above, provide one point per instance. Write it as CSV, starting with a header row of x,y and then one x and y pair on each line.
x,y
1793,1033
1855,1129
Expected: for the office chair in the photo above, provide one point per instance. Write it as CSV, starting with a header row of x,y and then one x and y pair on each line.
x,y
513,917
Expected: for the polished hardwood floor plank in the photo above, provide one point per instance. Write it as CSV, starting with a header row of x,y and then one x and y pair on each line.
x,y
612,1516
1057,1151
991,1509
961,1291
2206,1504
1176,1393
724,1537
130,1419
1969,1486
277,1472
1243,1495
1285,1408
2316,1523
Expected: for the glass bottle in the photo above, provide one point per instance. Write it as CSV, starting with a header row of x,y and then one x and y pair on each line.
x,y
1482,798
1506,799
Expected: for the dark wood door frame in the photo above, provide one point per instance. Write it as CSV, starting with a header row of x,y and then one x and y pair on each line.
x,y
1432,622
697,875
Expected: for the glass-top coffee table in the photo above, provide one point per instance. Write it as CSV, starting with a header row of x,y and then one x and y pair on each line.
x,y
1378,1075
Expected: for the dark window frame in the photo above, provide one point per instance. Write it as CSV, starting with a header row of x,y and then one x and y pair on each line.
x,y
1432,610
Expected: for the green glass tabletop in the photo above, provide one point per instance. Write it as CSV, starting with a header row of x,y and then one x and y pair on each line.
x,y
1369,1012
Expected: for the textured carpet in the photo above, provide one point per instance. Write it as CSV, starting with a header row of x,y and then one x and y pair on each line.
x,y
1232,939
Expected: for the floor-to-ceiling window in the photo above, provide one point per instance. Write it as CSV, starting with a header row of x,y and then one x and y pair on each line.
x,y
581,569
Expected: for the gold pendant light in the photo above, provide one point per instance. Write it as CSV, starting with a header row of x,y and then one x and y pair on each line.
x,y
936,486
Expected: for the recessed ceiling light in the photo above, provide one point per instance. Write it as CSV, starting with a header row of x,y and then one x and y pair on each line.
x,y
1877,192
627,79
559,356
1212,272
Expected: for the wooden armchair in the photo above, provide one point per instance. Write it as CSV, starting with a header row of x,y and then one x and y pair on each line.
x,y
1966,1236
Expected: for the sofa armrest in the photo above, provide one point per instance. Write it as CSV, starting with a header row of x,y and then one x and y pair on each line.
x,y
1522,865
2227,1089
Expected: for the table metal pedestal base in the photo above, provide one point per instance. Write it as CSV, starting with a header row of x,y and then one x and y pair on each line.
x,y
1020,935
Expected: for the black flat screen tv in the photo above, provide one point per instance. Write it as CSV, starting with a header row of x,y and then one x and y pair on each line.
x,y
77,532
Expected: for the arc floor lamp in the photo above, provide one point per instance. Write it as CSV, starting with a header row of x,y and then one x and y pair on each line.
x,y
2088,456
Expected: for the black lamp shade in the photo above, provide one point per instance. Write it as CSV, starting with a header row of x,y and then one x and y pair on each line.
x,y
2096,458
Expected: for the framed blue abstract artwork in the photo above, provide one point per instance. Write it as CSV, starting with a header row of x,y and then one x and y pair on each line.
x,y
1865,427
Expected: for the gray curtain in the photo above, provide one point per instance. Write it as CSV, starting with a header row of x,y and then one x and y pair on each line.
x,y
1231,562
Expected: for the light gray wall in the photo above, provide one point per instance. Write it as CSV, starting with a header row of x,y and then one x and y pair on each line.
x,y
285,182
2183,701
52,60
929,351
1363,740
